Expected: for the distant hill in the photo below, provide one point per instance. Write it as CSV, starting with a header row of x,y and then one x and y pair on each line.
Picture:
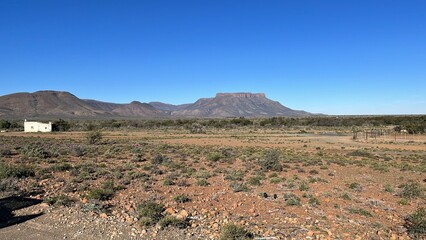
x,y
237,105
168,107
65,105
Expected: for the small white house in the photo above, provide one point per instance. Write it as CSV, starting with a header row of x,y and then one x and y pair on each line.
x,y
30,126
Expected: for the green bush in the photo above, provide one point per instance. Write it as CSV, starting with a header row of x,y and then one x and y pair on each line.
x,y
20,171
94,137
412,190
355,186
101,194
360,211
388,188
61,200
181,198
61,167
415,223
234,232
214,156
254,181
150,213
304,186
172,222
239,187
291,199
202,182
271,161
105,193
360,153
313,201
158,159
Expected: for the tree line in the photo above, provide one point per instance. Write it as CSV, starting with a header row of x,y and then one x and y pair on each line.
x,y
413,124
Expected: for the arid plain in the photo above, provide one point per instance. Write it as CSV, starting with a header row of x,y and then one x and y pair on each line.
x,y
283,183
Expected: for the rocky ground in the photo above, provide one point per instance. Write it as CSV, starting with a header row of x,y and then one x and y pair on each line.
x,y
324,187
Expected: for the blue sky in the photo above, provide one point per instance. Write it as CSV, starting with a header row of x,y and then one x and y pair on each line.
x,y
332,57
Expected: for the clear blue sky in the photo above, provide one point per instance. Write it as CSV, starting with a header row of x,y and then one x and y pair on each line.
x,y
332,57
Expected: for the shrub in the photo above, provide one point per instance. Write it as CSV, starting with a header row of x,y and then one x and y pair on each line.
x,y
254,181
21,171
235,176
271,161
168,181
214,156
303,186
313,201
355,186
150,213
173,222
181,198
275,180
62,167
94,137
101,194
105,193
291,199
234,232
415,223
5,152
239,187
158,159
8,184
360,211
388,188
346,196
77,151
60,126
412,190
35,152
360,153
197,128
202,182
61,200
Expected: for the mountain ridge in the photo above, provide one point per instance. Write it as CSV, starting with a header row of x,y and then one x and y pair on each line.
x,y
49,103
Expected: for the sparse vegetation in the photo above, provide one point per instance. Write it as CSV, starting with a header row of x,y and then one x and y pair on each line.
x,y
232,173
291,199
271,161
171,221
150,213
234,232
415,223
360,211
94,137
412,190
181,198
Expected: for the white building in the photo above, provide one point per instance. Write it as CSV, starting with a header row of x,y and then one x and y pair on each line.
x,y
37,126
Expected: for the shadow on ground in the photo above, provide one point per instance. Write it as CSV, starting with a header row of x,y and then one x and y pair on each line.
x,y
10,204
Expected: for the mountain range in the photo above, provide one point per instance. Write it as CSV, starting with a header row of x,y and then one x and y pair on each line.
x,y
58,104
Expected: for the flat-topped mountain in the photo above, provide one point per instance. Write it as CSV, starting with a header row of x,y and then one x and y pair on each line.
x,y
237,105
66,105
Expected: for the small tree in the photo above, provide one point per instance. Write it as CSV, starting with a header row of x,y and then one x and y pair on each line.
x,y
61,126
4,124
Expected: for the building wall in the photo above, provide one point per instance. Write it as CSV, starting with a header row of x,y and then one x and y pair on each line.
x,y
37,127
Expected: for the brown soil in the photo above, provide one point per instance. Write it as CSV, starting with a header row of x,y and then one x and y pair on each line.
x,y
321,161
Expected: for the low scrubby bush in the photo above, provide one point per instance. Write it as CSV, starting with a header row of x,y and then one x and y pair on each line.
x,y
415,223
234,232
